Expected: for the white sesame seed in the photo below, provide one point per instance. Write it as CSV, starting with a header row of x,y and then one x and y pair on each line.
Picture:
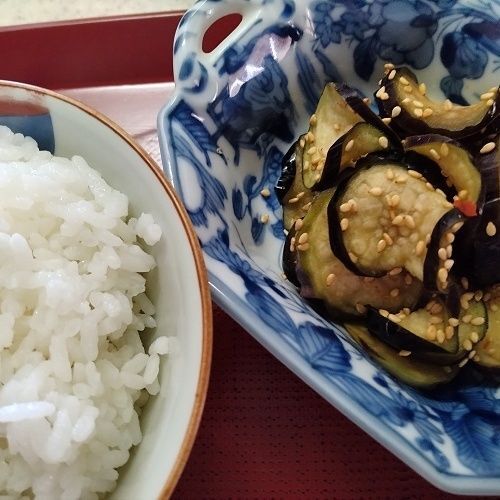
x,y
419,249
395,271
408,89
264,218
344,224
303,247
349,145
389,174
298,224
398,220
265,192
487,95
387,120
345,207
444,149
406,100
394,318
353,257
491,229
404,353
466,318
467,345
431,332
427,112
418,112
442,275
392,74
401,179
434,154
394,292
453,321
408,279
448,264
313,119
304,238
463,362
440,336
330,279
384,96
418,104
477,321
448,105
396,110
474,336
414,174
383,141
388,239
403,80
487,148
409,221
435,320
381,245
375,191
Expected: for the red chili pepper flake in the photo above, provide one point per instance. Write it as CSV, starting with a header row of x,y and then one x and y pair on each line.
x,y
467,207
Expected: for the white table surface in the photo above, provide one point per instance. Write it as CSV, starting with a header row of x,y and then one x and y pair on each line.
x,y
15,12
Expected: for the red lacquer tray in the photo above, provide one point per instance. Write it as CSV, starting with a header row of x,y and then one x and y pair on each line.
x,y
264,433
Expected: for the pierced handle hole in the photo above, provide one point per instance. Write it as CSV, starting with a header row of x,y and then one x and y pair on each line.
x,y
217,32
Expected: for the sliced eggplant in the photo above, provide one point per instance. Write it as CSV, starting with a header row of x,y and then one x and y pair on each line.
x,y
438,261
420,333
455,163
414,372
323,276
332,119
362,139
382,217
297,197
488,349
478,244
402,98
288,171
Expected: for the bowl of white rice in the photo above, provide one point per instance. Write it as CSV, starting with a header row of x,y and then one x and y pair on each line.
x,y
105,315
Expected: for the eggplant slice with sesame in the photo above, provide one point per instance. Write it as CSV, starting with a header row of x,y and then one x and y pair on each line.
x,y
332,119
455,164
415,372
290,188
383,217
404,100
393,221
323,276
487,351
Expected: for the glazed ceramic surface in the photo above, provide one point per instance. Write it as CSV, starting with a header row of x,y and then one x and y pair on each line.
x,y
176,286
236,111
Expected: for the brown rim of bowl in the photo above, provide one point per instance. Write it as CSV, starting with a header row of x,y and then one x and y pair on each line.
x,y
206,354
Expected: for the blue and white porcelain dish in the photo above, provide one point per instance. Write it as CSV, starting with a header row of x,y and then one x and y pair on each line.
x,y
235,112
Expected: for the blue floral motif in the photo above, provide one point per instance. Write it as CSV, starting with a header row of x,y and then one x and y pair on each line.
x,y
236,111
403,32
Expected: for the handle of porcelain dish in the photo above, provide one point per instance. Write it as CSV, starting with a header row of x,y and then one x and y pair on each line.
x,y
192,65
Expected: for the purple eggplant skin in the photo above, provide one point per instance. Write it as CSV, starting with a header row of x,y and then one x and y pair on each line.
x,y
333,159
289,260
356,102
406,124
399,337
422,140
288,170
478,255
430,170
432,261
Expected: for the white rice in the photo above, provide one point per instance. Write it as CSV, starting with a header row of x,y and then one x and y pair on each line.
x,y
73,371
